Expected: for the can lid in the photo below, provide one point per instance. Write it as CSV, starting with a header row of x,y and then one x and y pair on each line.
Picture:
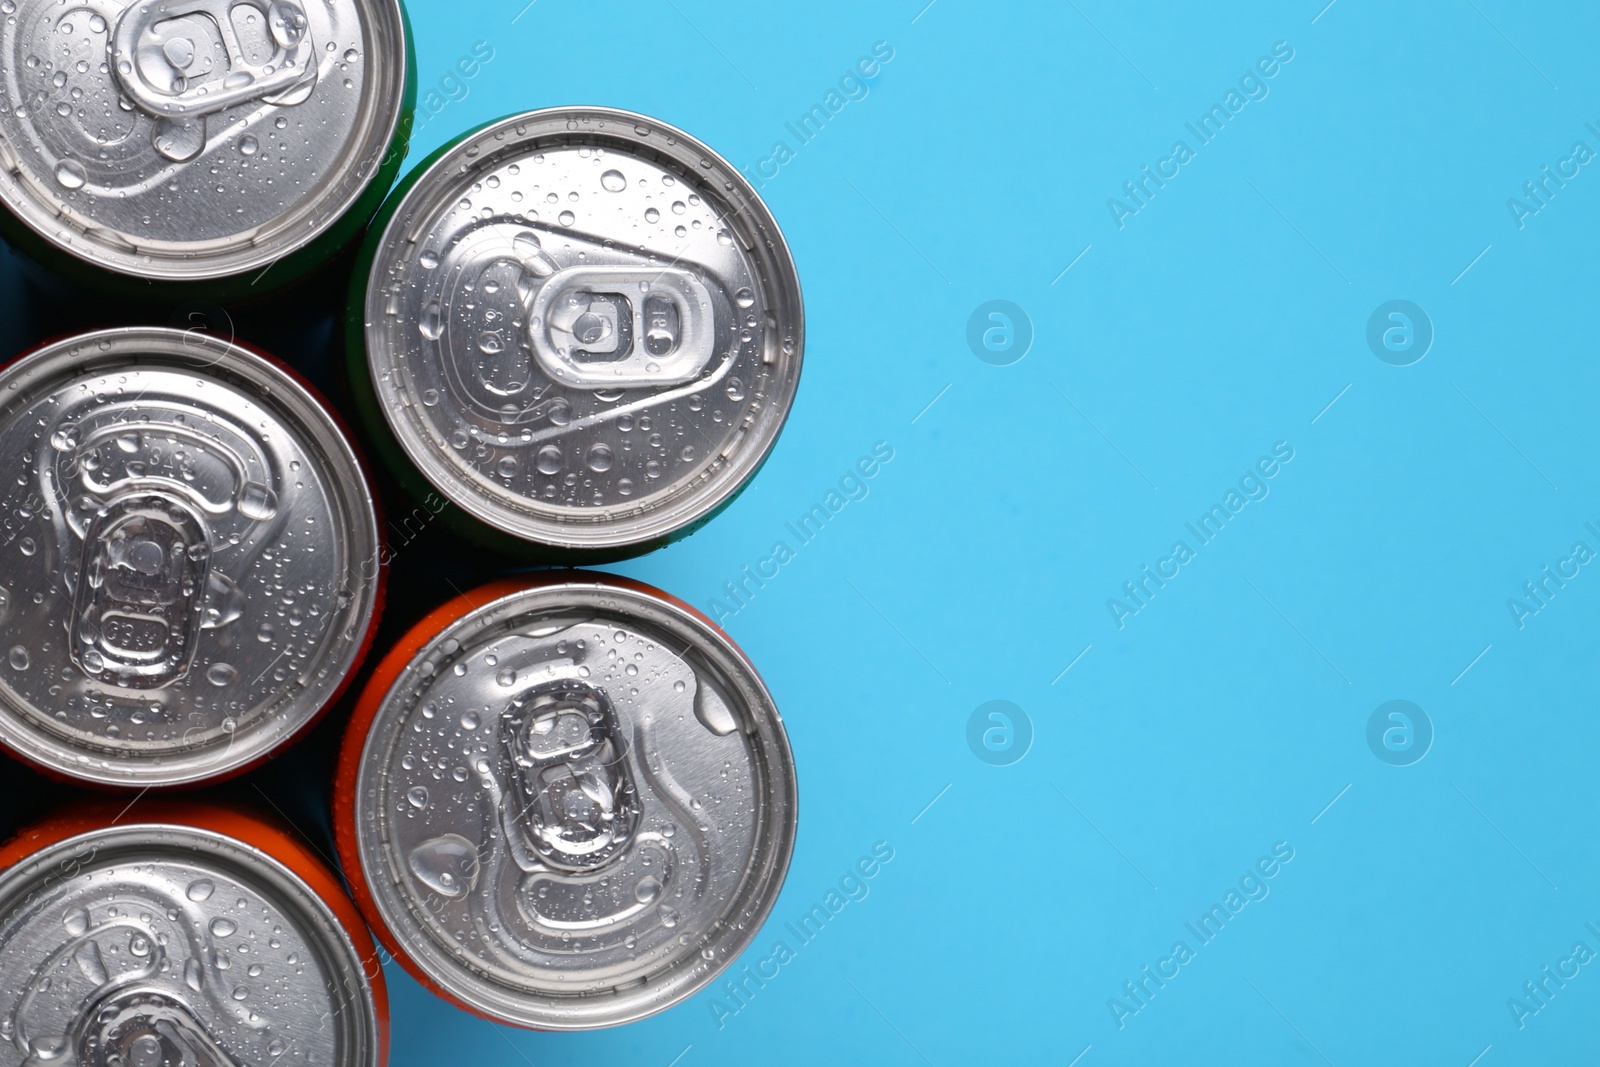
x,y
574,806
188,557
584,327
156,943
181,140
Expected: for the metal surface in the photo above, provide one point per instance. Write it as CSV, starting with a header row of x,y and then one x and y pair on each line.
x,y
193,139
188,556
575,806
159,945
584,328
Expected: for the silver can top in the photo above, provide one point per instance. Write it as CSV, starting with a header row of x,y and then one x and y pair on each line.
x,y
194,139
155,945
575,805
188,557
584,328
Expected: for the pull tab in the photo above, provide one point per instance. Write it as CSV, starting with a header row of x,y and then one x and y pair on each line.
x,y
146,1028
181,60
622,326
141,592
576,806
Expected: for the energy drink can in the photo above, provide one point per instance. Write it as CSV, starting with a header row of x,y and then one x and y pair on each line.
x,y
198,141
581,326
181,935
565,803
189,560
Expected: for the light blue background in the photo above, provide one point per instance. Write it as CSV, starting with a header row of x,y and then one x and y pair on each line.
x,y
1226,715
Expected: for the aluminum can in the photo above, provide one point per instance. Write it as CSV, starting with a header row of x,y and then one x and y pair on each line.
x,y
198,141
566,803
581,326
189,557
181,935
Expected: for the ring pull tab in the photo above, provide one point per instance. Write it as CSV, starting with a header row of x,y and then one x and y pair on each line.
x,y
141,592
611,327
181,60
571,799
147,1028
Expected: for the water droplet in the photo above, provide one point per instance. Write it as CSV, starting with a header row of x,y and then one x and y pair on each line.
x,y
470,721
258,502
91,963
18,658
223,926
241,992
431,324
276,1048
506,677
417,797
549,461
566,218
76,921
351,55
612,181
448,865
669,918
744,298
222,674
429,259
27,546
648,889
600,456
652,215
193,976
265,633
248,145
97,24
507,466
127,443
200,890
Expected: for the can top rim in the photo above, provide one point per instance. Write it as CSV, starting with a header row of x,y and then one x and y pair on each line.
x,y
379,120
660,143
685,973
281,393
313,917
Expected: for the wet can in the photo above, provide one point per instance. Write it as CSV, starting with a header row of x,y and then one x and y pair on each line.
x,y
171,934
198,143
581,327
189,557
566,803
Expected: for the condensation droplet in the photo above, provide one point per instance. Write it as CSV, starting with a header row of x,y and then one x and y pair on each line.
x,y
258,502
612,181
431,324
71,175
222,926
222,674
